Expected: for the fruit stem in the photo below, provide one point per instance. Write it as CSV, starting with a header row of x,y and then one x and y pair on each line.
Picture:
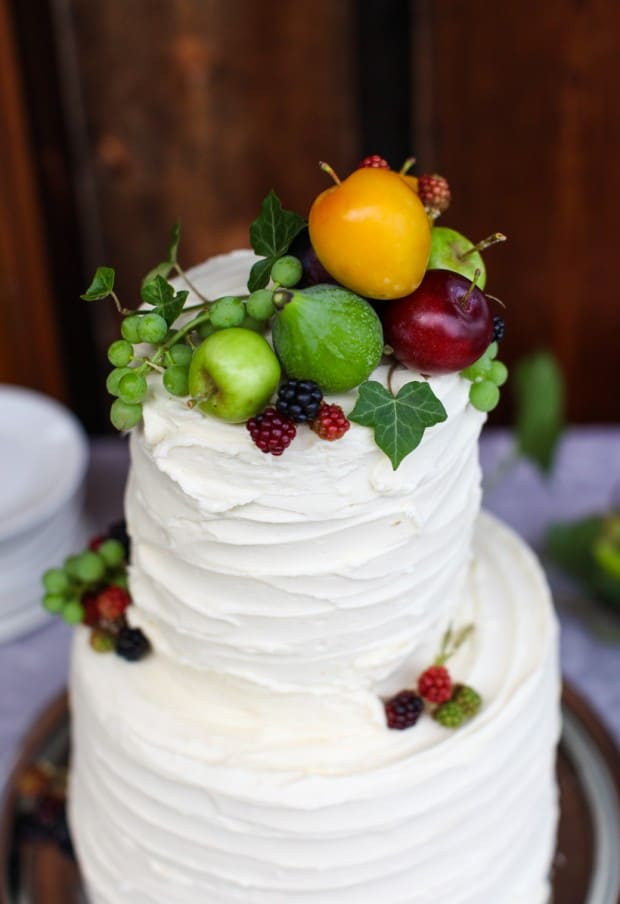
x,y
463,301
495,298
330,171
119,307
407,165
493,239
391,372
282,297
450,644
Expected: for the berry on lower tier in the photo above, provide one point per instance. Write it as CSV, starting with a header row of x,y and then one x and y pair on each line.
x,y
271,431
499,328
434,193
468,699
403,710
435,684
331,422
374,161
299,400
112,602
449,714
132,644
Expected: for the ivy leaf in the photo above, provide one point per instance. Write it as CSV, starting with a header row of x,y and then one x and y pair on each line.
x,y
398,421
159,293
164,270
274,229
540,399
175,238
101,286
259,274
166,267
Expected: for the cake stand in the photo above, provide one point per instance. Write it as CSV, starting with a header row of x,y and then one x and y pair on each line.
x,y
586,869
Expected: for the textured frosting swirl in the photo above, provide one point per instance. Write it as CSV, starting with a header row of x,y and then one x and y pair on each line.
x,y
320,568
203,788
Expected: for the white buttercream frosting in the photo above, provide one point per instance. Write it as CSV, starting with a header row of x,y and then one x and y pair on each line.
x,y
193,788
322,567
248,760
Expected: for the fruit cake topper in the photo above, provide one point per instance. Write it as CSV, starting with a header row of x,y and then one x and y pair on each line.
x,y
367,277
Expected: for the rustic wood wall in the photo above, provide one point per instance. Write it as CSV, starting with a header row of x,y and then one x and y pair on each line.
x,y
525,121
195,108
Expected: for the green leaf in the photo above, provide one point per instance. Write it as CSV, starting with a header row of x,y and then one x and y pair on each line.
x,y
259,274
398,421
274,229
164,270
101,286
573,547
540,399
174,243
160,293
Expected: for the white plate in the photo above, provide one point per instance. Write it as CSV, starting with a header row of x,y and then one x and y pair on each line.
x,y
43,456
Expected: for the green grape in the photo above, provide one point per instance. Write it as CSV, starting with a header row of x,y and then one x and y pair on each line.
x,y
132,387
251,323
120,353
226,312
484,396
176,380
478,370
130,328
55,580
498,373
114,378
260,304
54,603
119,579
287,271
112,552
205,329
125,416
152,328
73,612
70,565
492,350
181,354
89,567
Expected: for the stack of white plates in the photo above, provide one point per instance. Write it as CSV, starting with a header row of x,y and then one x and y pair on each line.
x,y
43,459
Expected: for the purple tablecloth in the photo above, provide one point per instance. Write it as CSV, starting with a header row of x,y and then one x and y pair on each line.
x,y
586,478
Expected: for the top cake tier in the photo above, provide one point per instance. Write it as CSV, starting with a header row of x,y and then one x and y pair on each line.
x,y
324,567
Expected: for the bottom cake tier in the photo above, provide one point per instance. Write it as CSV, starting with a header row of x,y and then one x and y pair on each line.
x,y
188,787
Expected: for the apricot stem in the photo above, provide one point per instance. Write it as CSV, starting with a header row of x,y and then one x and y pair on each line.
x,y
466,296
493,239
409,162
330,171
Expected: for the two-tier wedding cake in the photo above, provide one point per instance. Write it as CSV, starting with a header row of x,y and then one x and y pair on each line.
x,y
352,689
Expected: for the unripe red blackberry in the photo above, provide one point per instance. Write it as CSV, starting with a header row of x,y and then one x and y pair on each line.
x,y
434,193
374,161
331,423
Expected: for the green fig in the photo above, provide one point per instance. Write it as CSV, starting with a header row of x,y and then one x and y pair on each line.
x,y
327,334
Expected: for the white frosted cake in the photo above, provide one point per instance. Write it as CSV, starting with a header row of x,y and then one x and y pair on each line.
x,y
248,759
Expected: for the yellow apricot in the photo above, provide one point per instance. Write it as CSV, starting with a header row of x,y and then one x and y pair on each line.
x,y
411,181
371,233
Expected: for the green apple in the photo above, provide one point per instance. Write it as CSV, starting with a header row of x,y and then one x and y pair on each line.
x,y
233,374
449,251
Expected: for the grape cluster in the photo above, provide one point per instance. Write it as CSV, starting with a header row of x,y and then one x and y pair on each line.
x,y
487,374
81,575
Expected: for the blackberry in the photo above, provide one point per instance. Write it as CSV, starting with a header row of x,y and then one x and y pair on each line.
x,y
499,328
271,431
132,644
449,714
299,400
403,710
468,699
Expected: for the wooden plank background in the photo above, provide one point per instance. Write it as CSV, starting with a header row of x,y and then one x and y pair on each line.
x,y
195,108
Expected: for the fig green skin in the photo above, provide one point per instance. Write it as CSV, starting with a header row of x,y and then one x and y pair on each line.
x,y
327,334
446,246
238,370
